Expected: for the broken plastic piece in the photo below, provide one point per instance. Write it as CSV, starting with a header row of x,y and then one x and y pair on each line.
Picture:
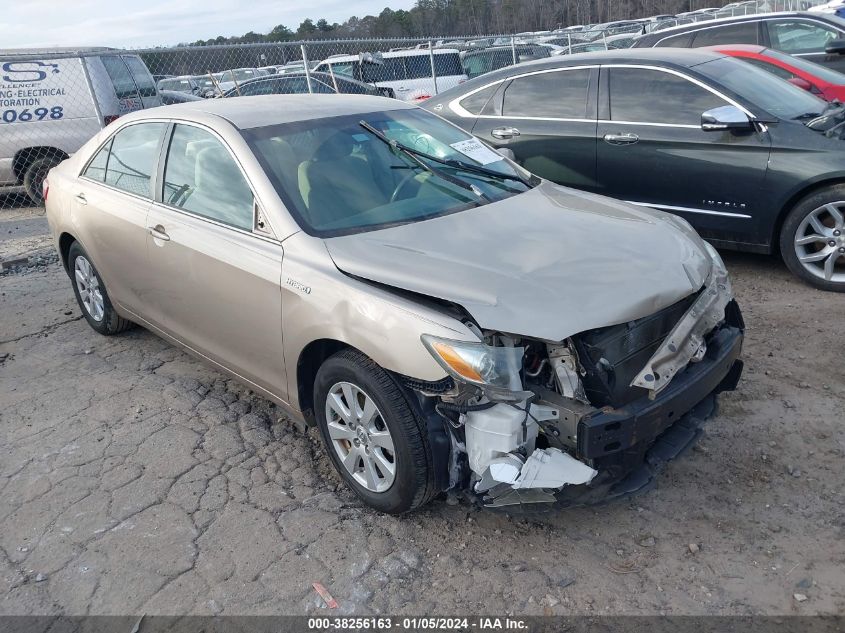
x,y
552,468
505,469
516,497
331,603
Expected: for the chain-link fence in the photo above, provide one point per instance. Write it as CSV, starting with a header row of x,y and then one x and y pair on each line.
x,y
54,100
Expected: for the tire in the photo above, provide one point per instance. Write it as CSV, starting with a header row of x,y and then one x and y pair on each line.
x,y
34,175
805,219
412,482
91,294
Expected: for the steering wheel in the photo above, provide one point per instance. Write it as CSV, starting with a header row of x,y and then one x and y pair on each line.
x,y
402,184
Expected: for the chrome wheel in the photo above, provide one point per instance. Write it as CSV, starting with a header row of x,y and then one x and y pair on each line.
x,y
820,242
88,285
360,437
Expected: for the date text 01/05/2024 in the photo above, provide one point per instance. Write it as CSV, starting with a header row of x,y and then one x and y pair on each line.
x,y
416,624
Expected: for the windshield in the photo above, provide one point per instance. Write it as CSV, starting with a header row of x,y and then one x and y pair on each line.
x,y
816,70
761,88
338,175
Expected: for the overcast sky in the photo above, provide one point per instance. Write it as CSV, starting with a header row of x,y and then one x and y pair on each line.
x,y
133,23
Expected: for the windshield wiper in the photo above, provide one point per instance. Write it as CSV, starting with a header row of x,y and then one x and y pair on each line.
x,y
407,151
416,155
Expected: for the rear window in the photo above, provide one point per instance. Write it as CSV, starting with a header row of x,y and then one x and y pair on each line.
x,y
124,85
141,75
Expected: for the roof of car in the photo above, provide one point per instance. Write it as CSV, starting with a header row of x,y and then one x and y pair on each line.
x,y
694,26
387,55
64,50
259,111
686,57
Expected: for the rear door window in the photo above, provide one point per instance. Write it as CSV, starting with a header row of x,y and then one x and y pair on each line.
x,y
419,67
121,78
559,95
133,156
141,75
201,176
447,64
391,69
800,36
740,33
681,102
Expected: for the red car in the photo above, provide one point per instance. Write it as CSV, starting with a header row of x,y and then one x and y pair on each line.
x,y
820,80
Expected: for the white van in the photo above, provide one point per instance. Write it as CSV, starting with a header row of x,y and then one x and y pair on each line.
x,y
408,72
53,100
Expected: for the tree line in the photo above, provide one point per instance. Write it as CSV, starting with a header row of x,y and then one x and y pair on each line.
x,y
469,17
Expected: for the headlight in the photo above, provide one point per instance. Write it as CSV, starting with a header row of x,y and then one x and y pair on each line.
x,y
495,368
714,255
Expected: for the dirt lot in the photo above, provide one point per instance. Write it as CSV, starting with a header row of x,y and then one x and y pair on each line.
x,y
135,480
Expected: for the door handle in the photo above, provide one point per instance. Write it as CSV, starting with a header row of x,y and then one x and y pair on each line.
x,y
81,198
504,132
621,139
402,89
158,233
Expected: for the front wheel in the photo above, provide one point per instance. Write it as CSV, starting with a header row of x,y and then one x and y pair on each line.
x,y
374,439
91,294
812,240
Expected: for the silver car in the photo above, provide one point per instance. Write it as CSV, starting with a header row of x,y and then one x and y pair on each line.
x,y
447,320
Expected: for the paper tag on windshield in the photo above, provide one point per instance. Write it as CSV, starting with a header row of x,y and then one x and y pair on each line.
x,y
477,151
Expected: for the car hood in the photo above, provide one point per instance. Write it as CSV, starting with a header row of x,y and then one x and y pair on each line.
x,y
548,263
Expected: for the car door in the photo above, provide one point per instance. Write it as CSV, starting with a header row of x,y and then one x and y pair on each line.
x,y
653,151
215,272
805,38
548,119
112,199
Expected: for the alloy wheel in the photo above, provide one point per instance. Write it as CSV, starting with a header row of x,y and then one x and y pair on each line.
x,y
360,437
88,285
820,242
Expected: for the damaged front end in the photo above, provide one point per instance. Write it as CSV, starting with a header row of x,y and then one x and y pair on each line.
x,y
536,422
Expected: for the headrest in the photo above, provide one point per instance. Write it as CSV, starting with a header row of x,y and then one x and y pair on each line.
x,y
339,145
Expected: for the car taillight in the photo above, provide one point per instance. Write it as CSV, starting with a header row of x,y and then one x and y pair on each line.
x,y
45,188
109,118
422,97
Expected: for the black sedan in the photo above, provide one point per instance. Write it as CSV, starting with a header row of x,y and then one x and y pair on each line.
x,y
751,161
817,37
297,83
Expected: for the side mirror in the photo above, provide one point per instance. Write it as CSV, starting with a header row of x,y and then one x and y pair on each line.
x,y
835,47
507,153
725,118
801,83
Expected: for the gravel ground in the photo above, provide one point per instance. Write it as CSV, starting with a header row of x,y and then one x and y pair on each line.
x,y
135,480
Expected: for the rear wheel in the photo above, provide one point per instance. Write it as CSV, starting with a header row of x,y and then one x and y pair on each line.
x,y
812,240
91,294
374,439
34,175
